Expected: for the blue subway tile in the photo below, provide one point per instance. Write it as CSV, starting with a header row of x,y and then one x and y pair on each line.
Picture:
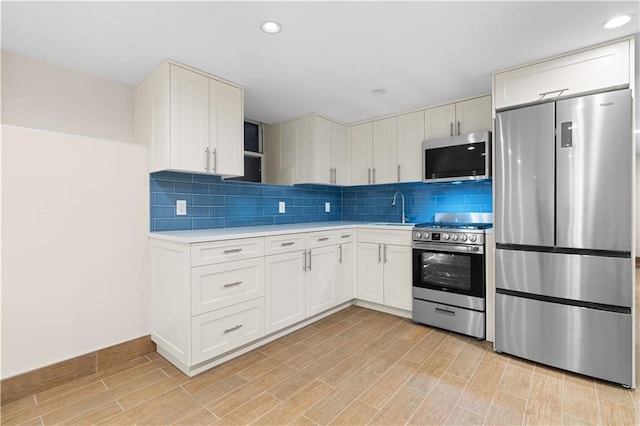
x,y
223,211
162,211
250,211
194,212
172,224
230,222
191,188
223,189
162,186
263,220
165,199
273,191
237,200
281,220
176,176
264,201
212,222
208,200
247,190
207,178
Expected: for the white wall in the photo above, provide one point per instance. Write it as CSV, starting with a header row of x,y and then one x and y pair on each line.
x,y
75,216
39,95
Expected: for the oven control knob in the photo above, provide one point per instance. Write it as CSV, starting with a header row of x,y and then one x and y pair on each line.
x,y
463,237
425,235
472,238
454,237
445,236
417,235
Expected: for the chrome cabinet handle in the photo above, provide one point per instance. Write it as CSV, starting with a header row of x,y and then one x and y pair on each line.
x,y
232,284
304,260
379,254
451,128
458,127
323,239
384,254
559,92
206,159
340,258
369,174
335,175
287,244
229,251
309,259
374,175
215,160
229,330
345,236
398,172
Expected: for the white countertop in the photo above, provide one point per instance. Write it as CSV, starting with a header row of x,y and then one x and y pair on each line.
x,y
216,234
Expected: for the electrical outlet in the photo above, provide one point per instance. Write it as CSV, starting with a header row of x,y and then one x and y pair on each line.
x,y
181,207
327,207
281,207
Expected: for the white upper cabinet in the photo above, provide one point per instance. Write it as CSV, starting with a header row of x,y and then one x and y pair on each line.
x,y
439,122
191,121
590,70
340,154
410,137
473,115
385,151
307,150
360,153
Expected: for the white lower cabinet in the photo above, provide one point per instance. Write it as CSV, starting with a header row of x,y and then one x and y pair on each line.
x,y
384,267
285,295
219,331
211,301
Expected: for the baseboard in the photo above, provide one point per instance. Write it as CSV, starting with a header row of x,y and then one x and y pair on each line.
x,y
44,378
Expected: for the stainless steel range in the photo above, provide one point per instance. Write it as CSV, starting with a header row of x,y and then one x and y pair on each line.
x,y
449,272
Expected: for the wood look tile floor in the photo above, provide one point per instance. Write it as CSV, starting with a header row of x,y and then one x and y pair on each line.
x,y
357,366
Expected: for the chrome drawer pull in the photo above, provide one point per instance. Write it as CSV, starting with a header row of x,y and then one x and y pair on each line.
x,y
229,330
323,239
287,244
345,236
445,312
238,250
232,284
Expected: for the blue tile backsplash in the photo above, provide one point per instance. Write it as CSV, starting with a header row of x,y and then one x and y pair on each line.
x,y
216,203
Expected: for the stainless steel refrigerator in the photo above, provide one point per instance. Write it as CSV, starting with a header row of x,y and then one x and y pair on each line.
x,y
563,221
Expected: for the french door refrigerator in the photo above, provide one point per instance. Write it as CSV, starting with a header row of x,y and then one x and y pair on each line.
x,y
563,222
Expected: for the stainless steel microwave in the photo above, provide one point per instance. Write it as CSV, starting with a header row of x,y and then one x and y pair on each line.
x,y
457,158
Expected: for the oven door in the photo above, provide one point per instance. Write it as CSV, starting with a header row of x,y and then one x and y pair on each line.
x,y
449,268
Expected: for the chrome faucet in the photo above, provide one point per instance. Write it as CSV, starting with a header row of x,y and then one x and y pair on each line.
x,y
393,203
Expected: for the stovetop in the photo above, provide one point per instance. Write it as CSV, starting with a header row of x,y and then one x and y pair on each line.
x,y
454,225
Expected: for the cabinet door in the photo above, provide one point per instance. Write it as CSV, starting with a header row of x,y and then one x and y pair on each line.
x,y
439,121
385,151
370,270
189,120
397,276
340,154
360,140
227,129
288,151
322,150
344,277
304,160
284,290
321,276
271,147
410,137
473,115
587,71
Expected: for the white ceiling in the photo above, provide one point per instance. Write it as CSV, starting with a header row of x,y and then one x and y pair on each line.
x,y
328,57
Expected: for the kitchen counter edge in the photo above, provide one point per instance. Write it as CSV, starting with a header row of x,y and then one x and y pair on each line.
x,y
219,234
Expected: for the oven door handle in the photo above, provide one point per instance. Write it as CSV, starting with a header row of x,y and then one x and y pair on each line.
x,y
450,248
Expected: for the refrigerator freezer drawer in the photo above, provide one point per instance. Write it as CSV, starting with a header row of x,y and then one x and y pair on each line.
x,y
586,341
595,279
460,320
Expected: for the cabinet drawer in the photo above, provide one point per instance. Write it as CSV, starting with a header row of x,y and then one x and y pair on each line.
x,y
220,285
385,236
217,332
322,239
284,243
225,251
595,69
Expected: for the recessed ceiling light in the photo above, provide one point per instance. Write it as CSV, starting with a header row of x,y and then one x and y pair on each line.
x,y
616,22
378,92
271,27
